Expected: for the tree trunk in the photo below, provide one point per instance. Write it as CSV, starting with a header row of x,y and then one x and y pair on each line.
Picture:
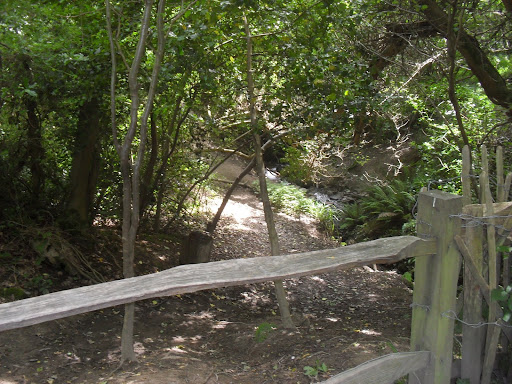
x,y
493,84
210,228
284,307
130,169
260,167
147,189
35,150
85,164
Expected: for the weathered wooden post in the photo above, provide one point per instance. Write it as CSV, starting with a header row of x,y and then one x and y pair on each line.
x,y
435,286
473,337
197,248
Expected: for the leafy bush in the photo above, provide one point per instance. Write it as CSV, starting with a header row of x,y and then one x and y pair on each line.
x,y
296,169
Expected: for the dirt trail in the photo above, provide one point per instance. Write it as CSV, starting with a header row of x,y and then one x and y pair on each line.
x,y
226,335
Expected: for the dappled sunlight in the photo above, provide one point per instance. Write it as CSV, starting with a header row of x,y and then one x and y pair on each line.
x,y
318,279
6,381
370,332
241,213
373,297
254,299
203,315
221,325
177,350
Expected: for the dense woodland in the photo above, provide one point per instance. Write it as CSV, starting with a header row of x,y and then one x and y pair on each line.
x,y
118,113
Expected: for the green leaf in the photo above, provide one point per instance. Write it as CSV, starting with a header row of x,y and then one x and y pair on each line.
x,y
331,97
310,371
393,348
506,316
504,248
499,294
30,92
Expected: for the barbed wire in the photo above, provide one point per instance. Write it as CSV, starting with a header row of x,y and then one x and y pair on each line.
x,y
450,314
444,181
423,306
475,221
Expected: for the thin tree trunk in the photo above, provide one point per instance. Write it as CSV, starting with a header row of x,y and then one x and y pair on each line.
x,y
131,171
147,190
269,217
212,225
452,42
284,307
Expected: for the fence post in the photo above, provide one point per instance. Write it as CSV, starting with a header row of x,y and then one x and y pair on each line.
x,y
435,286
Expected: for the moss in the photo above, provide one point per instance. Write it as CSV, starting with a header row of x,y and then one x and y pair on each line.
x,y
13,292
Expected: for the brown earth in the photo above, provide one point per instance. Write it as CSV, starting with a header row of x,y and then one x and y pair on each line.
x,y
229,335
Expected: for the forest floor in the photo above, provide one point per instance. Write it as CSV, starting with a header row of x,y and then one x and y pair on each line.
x,y
228,335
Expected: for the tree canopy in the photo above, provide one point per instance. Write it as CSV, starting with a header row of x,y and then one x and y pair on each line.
x,y
327,75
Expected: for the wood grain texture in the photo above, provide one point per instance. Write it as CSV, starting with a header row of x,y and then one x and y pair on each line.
x,y
384,370
196,277
435,286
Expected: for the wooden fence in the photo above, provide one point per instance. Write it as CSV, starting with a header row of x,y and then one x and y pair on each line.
x,y
438,263
487,227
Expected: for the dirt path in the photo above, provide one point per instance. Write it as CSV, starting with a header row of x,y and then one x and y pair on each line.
x,y
226,335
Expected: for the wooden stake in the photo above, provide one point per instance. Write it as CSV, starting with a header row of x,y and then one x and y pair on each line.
x,y
485,168
500,188
492,330
466,176
474,285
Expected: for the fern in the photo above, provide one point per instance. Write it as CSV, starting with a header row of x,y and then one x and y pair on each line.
x,y
352,215
395,198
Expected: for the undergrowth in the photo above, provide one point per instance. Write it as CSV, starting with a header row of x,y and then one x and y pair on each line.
x,y
386,210
294,201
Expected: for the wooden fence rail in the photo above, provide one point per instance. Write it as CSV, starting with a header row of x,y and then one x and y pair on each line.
x,y
196,277
383,370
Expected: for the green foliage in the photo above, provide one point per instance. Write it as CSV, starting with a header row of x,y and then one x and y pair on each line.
x,y
293,200
352,216
315,76
408,276
328,217
289,198
40,283
263,332
16,293
295,171
395,197
386,209
504,298
314,371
